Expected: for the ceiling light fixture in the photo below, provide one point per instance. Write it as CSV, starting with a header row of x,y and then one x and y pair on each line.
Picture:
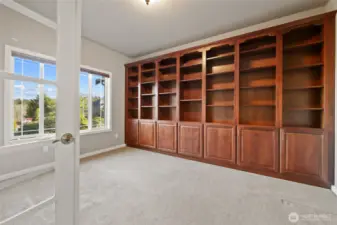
x,y
147,2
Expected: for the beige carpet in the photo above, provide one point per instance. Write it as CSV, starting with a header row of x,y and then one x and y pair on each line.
x,y
135,187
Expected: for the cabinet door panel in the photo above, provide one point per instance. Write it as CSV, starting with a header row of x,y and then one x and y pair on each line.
x,y
132,132
167,137
302,153
147,134
190,139
220,143
258,148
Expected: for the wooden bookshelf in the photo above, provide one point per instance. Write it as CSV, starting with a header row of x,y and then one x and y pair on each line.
x,y
148,91
191,86
257,80
303,87
220,84
167,86
132,101
261,102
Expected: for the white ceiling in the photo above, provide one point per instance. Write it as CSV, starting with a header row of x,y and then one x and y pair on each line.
x,y
135,29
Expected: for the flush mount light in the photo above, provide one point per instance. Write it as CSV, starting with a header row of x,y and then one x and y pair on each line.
x,y
147,2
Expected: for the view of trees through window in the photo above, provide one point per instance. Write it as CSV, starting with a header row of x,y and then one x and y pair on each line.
x,y
27,103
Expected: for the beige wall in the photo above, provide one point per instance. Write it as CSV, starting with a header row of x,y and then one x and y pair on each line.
x,y
36,37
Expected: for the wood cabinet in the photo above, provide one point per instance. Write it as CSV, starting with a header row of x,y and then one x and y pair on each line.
x,y
226,102
132,132
147,133
167,136
190,139
258,148
220,143
303,153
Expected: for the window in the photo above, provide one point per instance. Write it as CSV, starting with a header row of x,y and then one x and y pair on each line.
x,y
33,106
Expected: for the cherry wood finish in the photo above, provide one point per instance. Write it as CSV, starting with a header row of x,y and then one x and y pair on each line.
x,y
147,133
132,130
303,153
220,143
167,136
258,148
252,88
190,139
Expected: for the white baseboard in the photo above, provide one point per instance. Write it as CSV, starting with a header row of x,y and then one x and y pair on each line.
x,y
334,189
89,154
50,166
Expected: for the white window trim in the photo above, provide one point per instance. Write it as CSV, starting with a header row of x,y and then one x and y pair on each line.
x,y
9,67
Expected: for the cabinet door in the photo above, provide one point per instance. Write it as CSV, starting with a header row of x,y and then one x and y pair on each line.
x,y
220,143
190,139
167,137
302,153
147,134
132,132
258,148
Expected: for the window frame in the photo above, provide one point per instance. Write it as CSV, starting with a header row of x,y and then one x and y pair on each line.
x,y
9,137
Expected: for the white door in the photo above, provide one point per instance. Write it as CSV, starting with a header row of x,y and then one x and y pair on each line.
x,y
67,143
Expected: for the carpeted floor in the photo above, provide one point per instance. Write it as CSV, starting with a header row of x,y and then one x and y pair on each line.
x,y
135,187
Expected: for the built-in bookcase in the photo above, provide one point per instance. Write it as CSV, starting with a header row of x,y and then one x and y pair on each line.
x,y
220,84
132,76
167,89
303,77
257,81
191,86
148,90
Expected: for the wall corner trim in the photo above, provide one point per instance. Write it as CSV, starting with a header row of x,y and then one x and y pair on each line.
x,y
334,189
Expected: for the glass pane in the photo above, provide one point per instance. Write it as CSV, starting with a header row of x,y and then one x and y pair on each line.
x,y
17,108
50,72
26,67
26,109
98,101
49,109
31,109
84,94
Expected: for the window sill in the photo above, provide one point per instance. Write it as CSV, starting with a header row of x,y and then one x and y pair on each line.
x,y
52,137
98,131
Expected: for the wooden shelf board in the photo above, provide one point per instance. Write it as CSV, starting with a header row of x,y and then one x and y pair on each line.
x,y
261,48
168,80
304,109
221,56
132,97
259,86
148,70
229,104
152,94
220,89
222,122
302,45
167,106
303,66
133,75
258,68
149,82
191,80
191,100
133,108
168,66
259,105
221,73
147,106
167,93
304,87
191,65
